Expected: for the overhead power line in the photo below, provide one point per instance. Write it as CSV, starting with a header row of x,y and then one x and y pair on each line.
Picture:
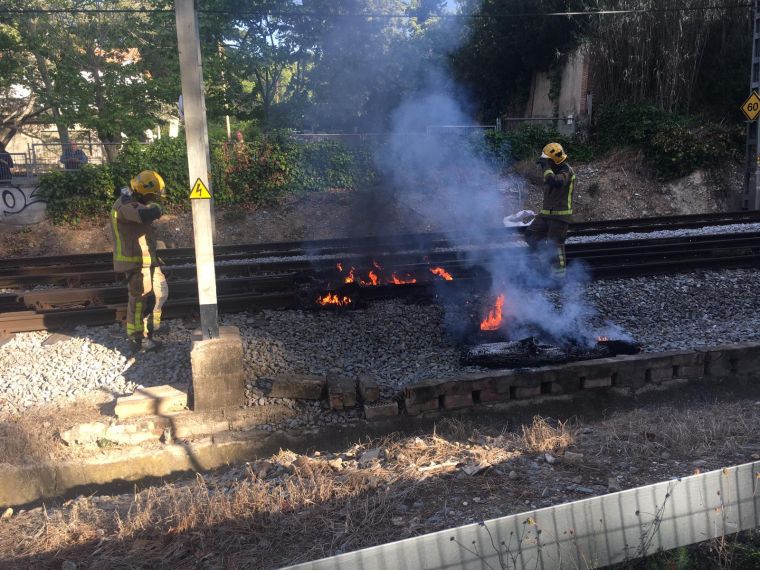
x,y
322,15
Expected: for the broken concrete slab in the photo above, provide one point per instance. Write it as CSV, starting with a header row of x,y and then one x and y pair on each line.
x,y
84,434
473,469
153,401
298,387
133,434
370,455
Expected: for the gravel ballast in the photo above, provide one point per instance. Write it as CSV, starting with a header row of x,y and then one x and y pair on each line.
x,y
393,342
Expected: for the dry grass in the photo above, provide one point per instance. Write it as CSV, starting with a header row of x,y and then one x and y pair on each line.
x,y
310,507
540,437
305,501
697,431
31,437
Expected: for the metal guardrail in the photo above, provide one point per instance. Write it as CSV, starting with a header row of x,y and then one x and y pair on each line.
x,y
591,533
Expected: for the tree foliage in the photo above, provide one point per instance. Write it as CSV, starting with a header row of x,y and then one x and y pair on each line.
x,y
673,56
501,54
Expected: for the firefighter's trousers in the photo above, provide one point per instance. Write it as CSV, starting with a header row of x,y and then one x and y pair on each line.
x,y
148,292
554,232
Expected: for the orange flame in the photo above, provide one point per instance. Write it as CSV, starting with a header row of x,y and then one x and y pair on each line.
x,y
494,319
333,299
398,281
350,278
374,280
441,272
339,265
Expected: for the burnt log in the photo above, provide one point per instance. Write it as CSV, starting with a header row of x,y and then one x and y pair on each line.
x,y
529,353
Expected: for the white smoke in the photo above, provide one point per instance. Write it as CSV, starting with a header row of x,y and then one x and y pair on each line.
x,y
465,195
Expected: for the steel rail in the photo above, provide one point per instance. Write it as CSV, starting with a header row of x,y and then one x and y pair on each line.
x,y
245,287
46,264
254,266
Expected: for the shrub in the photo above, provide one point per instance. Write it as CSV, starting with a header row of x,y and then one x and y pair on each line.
x,y
673,145
167,156
271,166
73,196
528,141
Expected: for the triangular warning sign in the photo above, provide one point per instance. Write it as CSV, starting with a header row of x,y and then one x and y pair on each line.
x,y
199,191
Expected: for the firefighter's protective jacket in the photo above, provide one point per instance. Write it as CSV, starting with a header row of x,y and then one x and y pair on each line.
x,y
134,245
559,183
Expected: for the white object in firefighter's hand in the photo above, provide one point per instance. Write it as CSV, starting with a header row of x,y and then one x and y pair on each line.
x,y
520,219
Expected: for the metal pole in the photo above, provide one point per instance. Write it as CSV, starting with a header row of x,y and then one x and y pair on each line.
x,y
196,131
750,199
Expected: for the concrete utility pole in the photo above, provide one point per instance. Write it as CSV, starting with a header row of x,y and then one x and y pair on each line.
x,y
750,199
216,357
196,131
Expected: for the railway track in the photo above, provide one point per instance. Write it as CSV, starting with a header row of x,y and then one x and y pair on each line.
x,y
19,268
283,276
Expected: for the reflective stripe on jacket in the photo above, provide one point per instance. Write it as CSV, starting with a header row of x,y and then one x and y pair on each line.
x,y
134,245
559,183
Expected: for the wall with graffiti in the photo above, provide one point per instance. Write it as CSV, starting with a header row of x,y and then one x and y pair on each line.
x,y
21,205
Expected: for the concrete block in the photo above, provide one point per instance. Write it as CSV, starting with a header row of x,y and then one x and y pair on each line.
x,y
719,364
690,372
456,401
414,408
191,426
488,396
686,357
152,401
564,382
596,382
662,374
341,392
368,389
218,373
380,410
522,392
298,387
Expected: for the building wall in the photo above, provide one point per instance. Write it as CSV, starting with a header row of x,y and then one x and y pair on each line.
x,y
573,92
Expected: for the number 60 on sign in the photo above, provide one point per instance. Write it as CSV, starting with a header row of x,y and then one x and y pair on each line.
x,y
751,107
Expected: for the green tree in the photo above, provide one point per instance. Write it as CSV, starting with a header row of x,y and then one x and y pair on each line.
x,y
108,72
503,50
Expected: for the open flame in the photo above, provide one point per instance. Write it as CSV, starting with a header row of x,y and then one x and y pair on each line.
x,y
375,276
374,280
396,280
495,316
441,272
602,339
334,299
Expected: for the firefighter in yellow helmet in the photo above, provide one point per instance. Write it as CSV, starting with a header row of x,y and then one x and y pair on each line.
x,y
134,253
552,222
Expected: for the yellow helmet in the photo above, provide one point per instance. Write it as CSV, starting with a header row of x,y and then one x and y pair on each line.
x,y
148,182
555,152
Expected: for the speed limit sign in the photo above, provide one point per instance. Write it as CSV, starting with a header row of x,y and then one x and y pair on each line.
x,y
751,107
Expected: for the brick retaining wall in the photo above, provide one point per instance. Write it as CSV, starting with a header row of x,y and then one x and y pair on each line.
x,y
235,439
